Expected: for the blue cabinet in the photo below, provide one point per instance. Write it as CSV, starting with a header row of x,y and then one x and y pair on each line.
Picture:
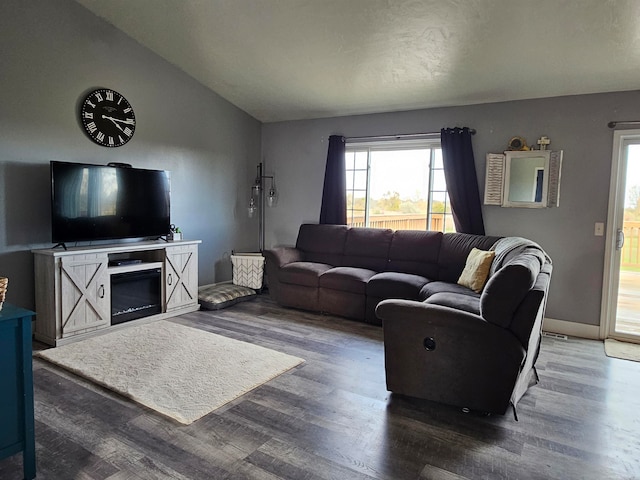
x,y
16,387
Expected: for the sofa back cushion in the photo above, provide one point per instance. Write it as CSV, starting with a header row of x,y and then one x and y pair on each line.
x,y
367,248
508,248
454,251
322,243
507,287
415,252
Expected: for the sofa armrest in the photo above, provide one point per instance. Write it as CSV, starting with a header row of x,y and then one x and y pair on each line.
x,y
449,356
394,310
281,256
275,259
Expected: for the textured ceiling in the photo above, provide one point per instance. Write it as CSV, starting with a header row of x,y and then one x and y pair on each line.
x,y
296,59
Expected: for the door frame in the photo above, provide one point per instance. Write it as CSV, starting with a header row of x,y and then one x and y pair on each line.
x,y
615,216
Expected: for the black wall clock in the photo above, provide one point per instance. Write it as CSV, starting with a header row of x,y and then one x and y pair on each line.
x,y
107,118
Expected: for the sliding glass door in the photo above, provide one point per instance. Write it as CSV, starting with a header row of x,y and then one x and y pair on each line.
x,y
622,283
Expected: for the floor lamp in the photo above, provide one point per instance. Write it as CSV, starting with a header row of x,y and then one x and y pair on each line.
x,y
260,197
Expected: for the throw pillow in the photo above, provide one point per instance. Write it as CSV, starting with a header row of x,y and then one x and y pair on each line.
x,y
476,270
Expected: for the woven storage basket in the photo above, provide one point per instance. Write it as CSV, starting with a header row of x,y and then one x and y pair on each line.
x,y
4,281
248,269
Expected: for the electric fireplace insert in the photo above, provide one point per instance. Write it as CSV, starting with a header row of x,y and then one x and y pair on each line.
x,y
135,295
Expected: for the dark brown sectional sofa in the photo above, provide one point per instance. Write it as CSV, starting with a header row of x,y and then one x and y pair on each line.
x,y
443,341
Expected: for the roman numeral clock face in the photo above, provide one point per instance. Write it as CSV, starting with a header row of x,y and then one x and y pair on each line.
x,y
107,118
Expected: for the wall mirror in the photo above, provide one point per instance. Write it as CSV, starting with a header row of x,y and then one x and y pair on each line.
x,y
526,179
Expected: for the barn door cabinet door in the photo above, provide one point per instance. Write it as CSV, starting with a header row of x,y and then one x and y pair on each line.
x,y
85,293
181,276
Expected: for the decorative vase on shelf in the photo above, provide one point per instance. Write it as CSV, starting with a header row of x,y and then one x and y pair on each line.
x,y
3,289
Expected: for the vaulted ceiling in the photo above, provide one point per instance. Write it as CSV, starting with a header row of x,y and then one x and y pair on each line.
x,y
298,59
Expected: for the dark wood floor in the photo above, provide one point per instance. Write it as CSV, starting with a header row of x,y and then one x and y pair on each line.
x,y
332,418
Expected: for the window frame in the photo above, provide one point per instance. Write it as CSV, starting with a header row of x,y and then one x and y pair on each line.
x,y
367,146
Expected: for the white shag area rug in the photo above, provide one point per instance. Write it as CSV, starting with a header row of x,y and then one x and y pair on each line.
x,y
181,372
626,351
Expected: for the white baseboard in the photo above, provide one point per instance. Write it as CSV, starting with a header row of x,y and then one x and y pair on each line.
x,y
571,329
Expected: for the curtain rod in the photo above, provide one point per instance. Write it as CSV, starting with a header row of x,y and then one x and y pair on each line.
x,y
399,136
629,122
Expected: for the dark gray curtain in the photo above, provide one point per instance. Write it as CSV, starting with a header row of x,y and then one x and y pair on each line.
x,y
334,194
462,182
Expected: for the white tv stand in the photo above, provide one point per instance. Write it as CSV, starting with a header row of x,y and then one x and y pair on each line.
x,y
73,287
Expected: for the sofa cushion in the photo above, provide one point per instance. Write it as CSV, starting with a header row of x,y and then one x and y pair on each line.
x,y
476,270
395,285
322,243
346,279
367,248
459,301
507,288
432,288
415,251
302,273
454,251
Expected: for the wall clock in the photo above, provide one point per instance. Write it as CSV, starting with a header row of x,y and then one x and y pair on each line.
x,y
107,118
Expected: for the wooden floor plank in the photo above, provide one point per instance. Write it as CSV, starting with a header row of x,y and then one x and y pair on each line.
x,y
332,418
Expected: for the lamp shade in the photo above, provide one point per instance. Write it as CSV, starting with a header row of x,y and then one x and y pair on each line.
x,y
272,197
252,208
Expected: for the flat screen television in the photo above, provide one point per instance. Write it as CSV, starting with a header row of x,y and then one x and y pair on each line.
x,y
96,202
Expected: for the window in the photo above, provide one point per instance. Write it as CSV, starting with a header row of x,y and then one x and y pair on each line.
x,y
398,185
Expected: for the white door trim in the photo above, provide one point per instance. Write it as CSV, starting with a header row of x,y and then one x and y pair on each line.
x,y
614,218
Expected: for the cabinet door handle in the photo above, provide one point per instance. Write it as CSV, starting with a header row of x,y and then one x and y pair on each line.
x,y
101,291
169,279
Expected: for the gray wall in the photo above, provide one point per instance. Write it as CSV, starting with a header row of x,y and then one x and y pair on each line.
x,y
296,152
52,53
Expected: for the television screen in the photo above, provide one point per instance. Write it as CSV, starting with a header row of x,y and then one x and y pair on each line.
x,y
95,202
